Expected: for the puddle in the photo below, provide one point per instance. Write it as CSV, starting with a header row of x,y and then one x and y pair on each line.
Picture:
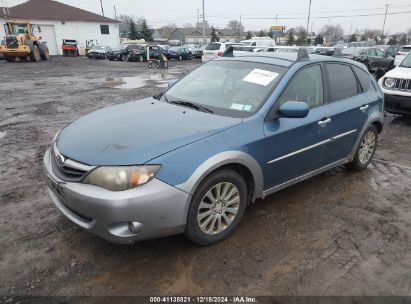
x,y
159,79
125,82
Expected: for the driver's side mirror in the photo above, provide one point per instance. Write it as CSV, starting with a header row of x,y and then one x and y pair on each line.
x,y
294,109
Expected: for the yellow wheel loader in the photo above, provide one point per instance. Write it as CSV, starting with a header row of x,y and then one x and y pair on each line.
x,y
20,42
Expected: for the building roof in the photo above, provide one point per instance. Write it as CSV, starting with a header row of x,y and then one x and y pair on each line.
x,y
52,10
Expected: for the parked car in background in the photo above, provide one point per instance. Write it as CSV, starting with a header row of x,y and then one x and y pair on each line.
x,y
98,52
179,52
389,50
373,58
121,52
235,129
259,42
403,51
196,52
216,49
325,51
396,86
165,47
140,53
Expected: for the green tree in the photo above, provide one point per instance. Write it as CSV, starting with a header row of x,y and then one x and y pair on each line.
x,y
291,40
393,40
319,40
309,41
261,33
353,38
145,32
214,37
249,36
403,39
132,30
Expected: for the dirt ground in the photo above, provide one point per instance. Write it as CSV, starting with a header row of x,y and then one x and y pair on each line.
x,y
340,233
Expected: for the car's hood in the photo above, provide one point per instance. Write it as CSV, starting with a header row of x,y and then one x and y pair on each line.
x,y
136,132
399,72
98,51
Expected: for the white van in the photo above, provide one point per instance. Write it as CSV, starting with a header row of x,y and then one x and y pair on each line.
x,y
216,49
260,42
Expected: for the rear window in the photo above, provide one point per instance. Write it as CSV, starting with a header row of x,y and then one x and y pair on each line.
x,y
342,81
405,49
363,77
213,46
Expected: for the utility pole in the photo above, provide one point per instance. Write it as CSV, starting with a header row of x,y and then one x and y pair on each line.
x,y
204,26
198,17
102,9
385,18
241,29
308,20
115,12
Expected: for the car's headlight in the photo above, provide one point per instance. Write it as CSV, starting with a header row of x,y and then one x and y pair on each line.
x,y
122,177
389,82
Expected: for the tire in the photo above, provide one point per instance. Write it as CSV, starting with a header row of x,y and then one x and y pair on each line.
x,y
35,54
111,59
368,145
140,58
123,57
46,55
214,214
180,58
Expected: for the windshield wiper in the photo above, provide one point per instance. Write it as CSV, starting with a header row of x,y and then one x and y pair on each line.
x,y
188,104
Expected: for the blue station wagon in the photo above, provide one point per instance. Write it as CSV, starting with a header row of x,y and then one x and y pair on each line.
x,y
189,160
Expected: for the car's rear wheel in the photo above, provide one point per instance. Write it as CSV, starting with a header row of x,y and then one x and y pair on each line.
x,y
216,208
365,150
180,57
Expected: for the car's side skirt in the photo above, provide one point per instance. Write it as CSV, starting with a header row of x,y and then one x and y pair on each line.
x,y
304,177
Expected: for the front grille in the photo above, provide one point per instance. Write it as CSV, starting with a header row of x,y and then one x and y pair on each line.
x,y
402,85
11,43
71,171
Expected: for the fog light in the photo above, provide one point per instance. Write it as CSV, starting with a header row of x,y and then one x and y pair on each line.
x,y
135,227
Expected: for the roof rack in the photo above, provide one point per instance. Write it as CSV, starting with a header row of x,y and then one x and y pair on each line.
x,y
302,55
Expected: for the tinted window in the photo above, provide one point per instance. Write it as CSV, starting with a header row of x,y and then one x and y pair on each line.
x,y
363,77
306,86
380,53
371,52
213,46
343,83
104,29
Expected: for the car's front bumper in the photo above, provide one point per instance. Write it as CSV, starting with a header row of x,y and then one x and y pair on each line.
x,y
96,55
155,209
397,104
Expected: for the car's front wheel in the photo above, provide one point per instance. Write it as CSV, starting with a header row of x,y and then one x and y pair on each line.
x,y
365,150
216,207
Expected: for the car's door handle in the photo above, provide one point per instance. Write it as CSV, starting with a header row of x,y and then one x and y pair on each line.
x,y
324,122
364,108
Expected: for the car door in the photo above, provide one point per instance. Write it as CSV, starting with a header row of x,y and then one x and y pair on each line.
x,y
382,60
372,59
295,146
349,107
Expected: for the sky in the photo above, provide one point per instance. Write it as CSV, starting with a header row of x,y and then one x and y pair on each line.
x,y
259,14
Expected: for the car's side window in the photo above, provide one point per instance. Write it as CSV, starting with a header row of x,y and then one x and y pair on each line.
x,y
371,52
306,86
363,77
380,53
342,81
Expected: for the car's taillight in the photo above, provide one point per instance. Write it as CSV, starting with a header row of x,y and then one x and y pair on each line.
x,y
220,54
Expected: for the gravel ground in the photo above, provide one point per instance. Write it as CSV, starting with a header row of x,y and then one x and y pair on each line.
x,y
340,233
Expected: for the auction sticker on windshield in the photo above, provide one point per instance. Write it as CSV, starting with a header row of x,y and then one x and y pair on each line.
x,y
261,77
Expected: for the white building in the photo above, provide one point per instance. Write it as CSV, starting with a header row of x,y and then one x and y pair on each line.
x,y
54,21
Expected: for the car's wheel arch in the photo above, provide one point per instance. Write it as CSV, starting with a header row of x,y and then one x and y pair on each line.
x,y
376,120
238,161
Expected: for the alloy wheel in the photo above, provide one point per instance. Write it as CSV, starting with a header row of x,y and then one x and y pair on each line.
x,y
218,208
367,147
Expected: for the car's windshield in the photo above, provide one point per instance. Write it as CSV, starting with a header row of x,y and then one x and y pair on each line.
x,y
119,48
351,51
228,87
175,48
98,47
406,63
